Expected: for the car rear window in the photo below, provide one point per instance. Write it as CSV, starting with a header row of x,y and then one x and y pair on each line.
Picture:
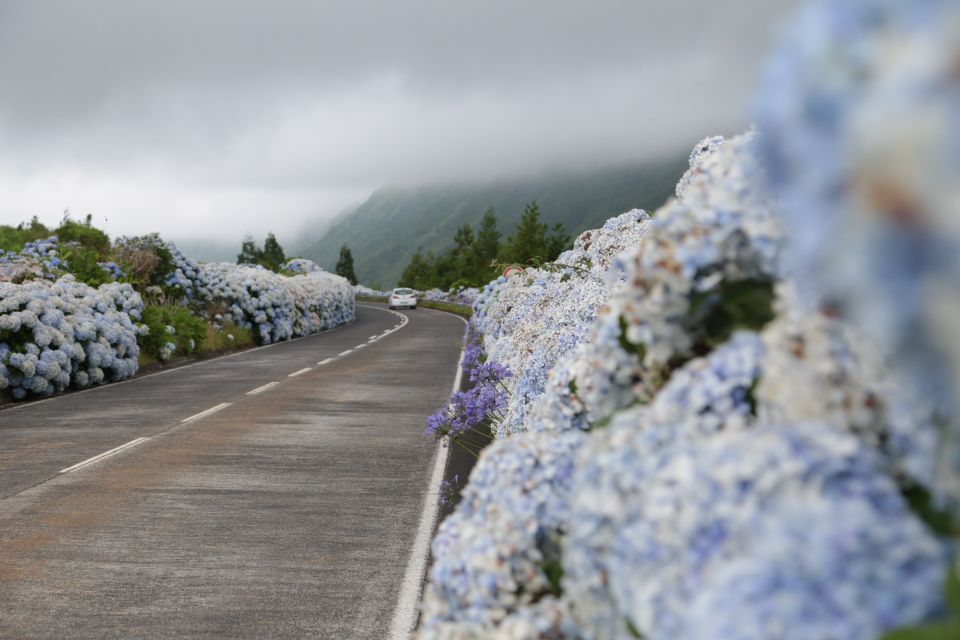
x,y
403,292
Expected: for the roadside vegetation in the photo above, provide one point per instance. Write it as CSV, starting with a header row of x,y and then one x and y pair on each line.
x,y
77,309
477,256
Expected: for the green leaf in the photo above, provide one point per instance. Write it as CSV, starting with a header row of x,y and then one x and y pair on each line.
x,y
952,590
640,350
553,569
633,631
921,503
717,313
936,631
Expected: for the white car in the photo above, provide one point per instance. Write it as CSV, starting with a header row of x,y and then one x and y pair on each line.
x,y
403,298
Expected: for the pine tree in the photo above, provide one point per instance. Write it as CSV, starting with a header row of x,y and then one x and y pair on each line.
x,y
529,241
345,265
558,242
249,252
463,254
486,247
272,257
419,272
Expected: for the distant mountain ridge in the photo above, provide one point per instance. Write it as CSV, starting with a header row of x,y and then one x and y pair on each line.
x,y
385,231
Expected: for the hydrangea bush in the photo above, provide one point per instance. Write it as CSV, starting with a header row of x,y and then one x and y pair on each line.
x,y
57,332
740,421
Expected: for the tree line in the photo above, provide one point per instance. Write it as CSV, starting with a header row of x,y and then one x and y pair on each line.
x,y
475,255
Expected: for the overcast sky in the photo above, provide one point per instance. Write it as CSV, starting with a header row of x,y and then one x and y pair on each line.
x,y
216,118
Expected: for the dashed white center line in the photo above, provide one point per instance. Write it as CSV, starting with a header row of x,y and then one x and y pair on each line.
x,y
262,389
344,353
300,373
359,346
372,338
204,414
104,455
326,361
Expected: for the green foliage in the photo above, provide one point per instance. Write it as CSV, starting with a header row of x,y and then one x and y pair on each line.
x,y
13,238
639,350
717,313
345,265
946,629
273,257
472,260
632,630
485,249
419,272
921,503
392,223
83,263
85,234
270,257
226,338
189,330
529,241
250,253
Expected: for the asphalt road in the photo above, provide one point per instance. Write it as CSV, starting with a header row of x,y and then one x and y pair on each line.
x,y
286,513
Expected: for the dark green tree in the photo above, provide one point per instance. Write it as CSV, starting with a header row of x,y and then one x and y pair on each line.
x,y
250,253
529,241
345,265
465,267
558,242
272,257
419,272
486,247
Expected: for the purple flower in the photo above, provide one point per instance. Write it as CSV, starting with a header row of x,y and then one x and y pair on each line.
x,y
489,373
472,357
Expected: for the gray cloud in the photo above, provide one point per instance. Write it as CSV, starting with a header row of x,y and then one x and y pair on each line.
x,y
218,118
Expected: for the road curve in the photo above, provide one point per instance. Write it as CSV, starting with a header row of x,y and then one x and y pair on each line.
x,y
288,511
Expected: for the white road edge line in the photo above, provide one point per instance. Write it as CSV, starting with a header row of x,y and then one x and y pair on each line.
x,y
262,389
103,455
326,361
360,346
300,373
408,603
204,414
345,353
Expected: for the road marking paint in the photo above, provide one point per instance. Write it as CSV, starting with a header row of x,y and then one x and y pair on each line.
x,y
360,346
103,455
262,389
372,338
345,353
326,361
204,414
408,603
300,373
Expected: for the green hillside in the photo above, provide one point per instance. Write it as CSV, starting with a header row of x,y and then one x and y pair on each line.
x,y
386,230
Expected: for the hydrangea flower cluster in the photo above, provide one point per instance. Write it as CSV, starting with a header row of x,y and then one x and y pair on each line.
x,y
64,333
748,430
859,114
707,267
39,259
531,320
463,295
274,306
301,265
495,557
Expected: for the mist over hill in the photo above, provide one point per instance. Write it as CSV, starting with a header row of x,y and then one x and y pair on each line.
x,y
388,228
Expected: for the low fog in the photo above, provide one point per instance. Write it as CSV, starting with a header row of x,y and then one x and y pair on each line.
x,y
211,120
